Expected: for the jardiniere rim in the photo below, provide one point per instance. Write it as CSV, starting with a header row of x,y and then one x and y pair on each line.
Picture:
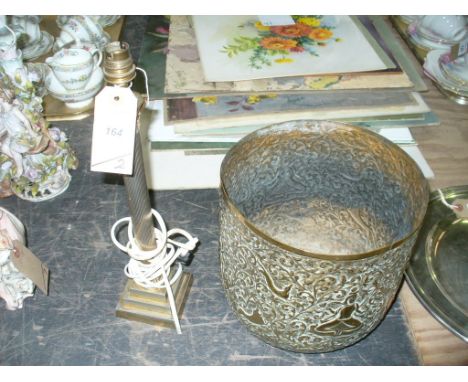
x,y
323,256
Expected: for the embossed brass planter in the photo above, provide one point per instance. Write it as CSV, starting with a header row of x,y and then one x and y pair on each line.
x,y
317,222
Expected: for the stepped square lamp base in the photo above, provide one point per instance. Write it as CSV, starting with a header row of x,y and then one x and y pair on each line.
x,y
151,305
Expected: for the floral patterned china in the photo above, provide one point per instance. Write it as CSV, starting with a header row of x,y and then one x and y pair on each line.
x,y
81,28
43,46
73,67
76,99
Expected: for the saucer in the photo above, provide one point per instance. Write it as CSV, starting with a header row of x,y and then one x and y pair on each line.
x,y
456,97
78,98
456,70
447,86
432,67
43,46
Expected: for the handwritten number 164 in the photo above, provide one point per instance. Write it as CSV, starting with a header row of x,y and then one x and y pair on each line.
x,y
114,132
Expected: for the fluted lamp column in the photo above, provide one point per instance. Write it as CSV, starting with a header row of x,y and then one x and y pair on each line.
x,y
149,305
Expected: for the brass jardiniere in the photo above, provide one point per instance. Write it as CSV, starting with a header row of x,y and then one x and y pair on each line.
x,y
317,222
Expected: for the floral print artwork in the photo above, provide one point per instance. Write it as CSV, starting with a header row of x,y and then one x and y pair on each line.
x,y
181,77
241,48
278,44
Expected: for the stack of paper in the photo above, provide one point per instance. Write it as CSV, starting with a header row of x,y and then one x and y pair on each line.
x,y
222,77
176,161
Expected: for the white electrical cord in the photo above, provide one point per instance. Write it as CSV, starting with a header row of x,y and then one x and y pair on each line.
x,y
146,82
150,269
444,201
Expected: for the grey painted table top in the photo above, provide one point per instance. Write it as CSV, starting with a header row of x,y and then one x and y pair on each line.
x,y
76,323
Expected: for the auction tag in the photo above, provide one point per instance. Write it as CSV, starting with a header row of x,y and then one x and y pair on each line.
x,y
459,49
115,117
461,209
276,20
30,266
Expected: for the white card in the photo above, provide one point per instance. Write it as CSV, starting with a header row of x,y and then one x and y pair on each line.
x,y
274,20
115,115
397,134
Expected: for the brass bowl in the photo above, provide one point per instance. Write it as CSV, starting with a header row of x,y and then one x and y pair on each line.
x,y
317,222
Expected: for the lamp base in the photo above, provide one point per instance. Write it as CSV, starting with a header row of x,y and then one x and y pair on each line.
x,y
151,305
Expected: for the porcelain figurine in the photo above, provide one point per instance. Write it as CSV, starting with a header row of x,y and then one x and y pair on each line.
x,y
14,286
34,159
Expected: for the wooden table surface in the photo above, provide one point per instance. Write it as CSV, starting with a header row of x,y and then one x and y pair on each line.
x,y
445,148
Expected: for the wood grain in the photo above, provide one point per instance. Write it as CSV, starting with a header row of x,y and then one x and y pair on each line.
x,y
445,148
435,344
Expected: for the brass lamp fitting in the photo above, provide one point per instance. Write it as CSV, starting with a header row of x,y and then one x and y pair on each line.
x,y
118,67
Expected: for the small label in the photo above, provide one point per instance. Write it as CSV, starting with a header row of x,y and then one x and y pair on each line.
x,y
461,208
29,265
115,114
276,20
459,49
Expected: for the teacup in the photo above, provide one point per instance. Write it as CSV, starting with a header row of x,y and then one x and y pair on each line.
x,y
444,29
81,28
88,46
93,25
73,67
76,99
27,25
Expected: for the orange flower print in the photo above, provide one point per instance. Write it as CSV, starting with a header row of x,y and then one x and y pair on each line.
x,y
296,30
320,34
297,49
277,43
281,44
